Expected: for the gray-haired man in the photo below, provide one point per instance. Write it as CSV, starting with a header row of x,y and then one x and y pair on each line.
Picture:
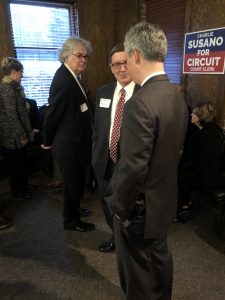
x,y
143,189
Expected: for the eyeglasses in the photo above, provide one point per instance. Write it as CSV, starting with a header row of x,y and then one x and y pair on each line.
x,y
81,56
118,65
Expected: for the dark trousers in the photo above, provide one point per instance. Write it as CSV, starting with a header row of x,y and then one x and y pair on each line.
x,y
102,188
103,184
187,182
17,169
73,177
145,265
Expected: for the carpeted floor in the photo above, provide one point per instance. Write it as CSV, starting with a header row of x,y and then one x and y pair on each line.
x,y
39,260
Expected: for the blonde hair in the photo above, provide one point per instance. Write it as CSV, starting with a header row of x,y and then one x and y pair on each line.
x,y
205,112
10,63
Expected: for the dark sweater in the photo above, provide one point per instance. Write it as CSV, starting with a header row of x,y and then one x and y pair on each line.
x,y
206,154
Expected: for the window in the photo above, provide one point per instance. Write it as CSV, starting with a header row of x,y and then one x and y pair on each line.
x,y
39,31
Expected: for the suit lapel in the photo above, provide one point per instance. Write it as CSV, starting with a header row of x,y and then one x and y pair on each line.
x,y
136,88
109,95
73,80
77,90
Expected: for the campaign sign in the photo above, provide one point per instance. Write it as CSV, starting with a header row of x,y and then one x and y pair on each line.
x,y
204,52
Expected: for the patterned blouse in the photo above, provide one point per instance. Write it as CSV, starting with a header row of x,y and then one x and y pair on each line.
x,y
15,126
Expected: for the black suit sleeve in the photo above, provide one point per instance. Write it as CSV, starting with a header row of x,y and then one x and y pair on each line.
x,y
57,106
96,118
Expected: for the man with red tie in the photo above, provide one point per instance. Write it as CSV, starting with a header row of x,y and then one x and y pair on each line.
x,y
110,100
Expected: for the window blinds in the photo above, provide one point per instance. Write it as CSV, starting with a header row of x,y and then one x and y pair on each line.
x,y
39,31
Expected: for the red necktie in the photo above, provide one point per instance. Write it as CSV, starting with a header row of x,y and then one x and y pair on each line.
x,y
116,126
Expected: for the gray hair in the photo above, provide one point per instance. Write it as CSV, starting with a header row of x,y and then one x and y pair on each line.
x,y
9,64
148,39
72,43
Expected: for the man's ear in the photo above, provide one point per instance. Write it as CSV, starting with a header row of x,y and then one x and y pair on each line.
x,y
136,54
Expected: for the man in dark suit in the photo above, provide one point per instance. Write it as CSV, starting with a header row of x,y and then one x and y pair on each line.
x,y
68,128
143,190
107,99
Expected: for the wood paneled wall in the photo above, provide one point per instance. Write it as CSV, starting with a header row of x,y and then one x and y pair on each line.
x,y
105,23
96,25
6,48
203,15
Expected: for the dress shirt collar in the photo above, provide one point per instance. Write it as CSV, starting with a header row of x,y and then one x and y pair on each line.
x,y
75,77
129,88
152,75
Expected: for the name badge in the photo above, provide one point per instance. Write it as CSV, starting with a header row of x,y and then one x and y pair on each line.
x,y
83,107
104,103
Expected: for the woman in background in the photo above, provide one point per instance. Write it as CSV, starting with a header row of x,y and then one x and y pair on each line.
x,y
15,125
203,166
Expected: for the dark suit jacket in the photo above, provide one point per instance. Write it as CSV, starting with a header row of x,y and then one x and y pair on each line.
x,y
152,135
205,155
67,124
34,115
100,153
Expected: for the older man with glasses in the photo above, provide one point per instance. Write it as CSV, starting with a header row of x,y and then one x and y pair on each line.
x,y
68,128
110,101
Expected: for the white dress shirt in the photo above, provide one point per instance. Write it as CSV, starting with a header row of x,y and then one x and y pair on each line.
x,y
129,92
152,75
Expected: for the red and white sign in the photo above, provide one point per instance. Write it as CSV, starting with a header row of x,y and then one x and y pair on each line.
x,y
204,52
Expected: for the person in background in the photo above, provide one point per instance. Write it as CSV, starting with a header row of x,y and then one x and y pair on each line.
x,y
143,189
5,214
56,182
203,166
15,125
33,147
191,128
34,115
107,99
68,129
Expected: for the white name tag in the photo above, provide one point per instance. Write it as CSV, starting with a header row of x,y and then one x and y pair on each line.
x,y
83,107
104,103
